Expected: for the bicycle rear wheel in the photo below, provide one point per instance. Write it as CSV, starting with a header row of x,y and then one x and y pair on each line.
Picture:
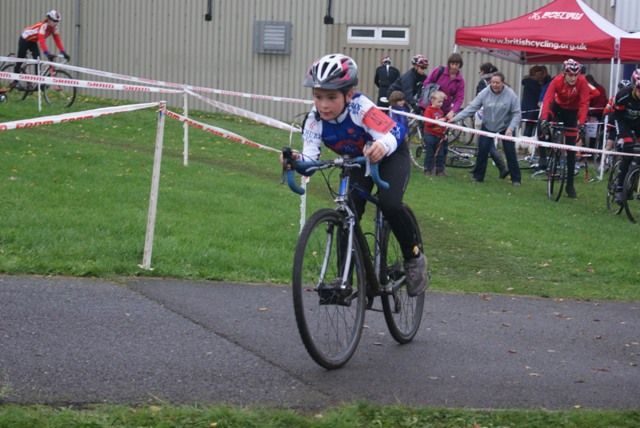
x,y
611,189
329,318
7,68
632,193
556,174
416,145
57,95
402,313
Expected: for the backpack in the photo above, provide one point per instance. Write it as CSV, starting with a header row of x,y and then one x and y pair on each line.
x,y
428,89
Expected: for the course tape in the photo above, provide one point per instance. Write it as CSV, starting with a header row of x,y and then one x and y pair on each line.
x,y
71,117
85,83
245,113
523,140
162,83
219,131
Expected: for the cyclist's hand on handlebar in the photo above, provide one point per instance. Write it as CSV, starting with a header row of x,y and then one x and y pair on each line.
x,y
287,155
66,56
375,152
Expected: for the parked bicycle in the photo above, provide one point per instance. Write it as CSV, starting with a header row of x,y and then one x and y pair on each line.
x,y
54,95
612,185
339,270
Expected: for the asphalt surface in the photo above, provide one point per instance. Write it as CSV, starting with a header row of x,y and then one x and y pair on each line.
x,y
141,340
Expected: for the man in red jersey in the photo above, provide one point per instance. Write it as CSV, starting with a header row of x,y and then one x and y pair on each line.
x,y
567,101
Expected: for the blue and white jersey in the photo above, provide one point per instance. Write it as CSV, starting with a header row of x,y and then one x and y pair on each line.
x,y
360,123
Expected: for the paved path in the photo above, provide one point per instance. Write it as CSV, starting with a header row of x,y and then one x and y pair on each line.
x,y
140,340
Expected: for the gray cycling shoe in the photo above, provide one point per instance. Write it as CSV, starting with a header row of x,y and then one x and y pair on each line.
x,y
416,272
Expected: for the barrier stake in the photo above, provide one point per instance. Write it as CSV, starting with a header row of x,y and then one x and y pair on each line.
x,y
155,184
185,126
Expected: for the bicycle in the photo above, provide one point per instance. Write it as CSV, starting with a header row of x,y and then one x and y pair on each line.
x,y
556,171
336,276
612,185
631,186
54,95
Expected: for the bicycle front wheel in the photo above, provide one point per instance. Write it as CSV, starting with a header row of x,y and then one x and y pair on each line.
x,y
611,189
57,95
329,315
461,156
402,312
556,175
632,193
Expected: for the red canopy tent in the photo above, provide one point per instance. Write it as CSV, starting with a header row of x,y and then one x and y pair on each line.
x,y
562,29
630,48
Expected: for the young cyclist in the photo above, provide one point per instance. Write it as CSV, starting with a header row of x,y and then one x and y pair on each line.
x,y
567,100
33,39
348,123
626,115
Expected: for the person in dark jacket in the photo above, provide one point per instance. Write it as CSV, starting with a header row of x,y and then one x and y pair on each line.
x,y
531,91
386,74
410,83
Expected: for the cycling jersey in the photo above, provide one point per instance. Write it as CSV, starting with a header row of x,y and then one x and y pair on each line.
x,y
567,97
360,123
626,113
39,32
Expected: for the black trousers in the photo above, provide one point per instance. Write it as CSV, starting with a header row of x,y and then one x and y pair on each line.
x,y
395,170
23,47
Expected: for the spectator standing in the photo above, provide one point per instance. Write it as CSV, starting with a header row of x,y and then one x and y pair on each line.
x,y
530,102
501,115
410,83
567,100
434,136
450,81
486,71
386,74
398,103
597,103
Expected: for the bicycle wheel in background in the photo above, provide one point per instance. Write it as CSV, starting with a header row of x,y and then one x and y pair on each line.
x,y
632,193
462,137
60,96
329,318
402,313
556,174
461,156
6,68
416,145
611,189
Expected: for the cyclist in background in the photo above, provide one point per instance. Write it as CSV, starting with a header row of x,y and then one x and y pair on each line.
x,y
567,100
410,83
349,123
626,115
33,39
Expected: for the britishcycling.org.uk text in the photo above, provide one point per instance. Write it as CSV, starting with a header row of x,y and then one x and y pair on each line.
x,y
516,41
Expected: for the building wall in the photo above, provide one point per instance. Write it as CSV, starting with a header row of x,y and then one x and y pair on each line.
x,y
170,40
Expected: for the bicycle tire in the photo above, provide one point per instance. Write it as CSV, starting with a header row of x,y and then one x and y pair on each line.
x,y
6,68
402,313
632,192
611,189
416,145
462,137
556,175
329,327
60,96
461,156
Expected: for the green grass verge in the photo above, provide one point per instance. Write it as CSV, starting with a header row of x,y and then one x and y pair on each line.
x,y
347,416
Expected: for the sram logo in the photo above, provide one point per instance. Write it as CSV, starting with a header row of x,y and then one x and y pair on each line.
x,y
576,16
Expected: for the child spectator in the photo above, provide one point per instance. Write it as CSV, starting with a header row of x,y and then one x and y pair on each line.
x,y
397,102
434,136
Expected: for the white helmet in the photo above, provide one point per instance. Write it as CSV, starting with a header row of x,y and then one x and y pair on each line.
x,y
333,71
54,15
